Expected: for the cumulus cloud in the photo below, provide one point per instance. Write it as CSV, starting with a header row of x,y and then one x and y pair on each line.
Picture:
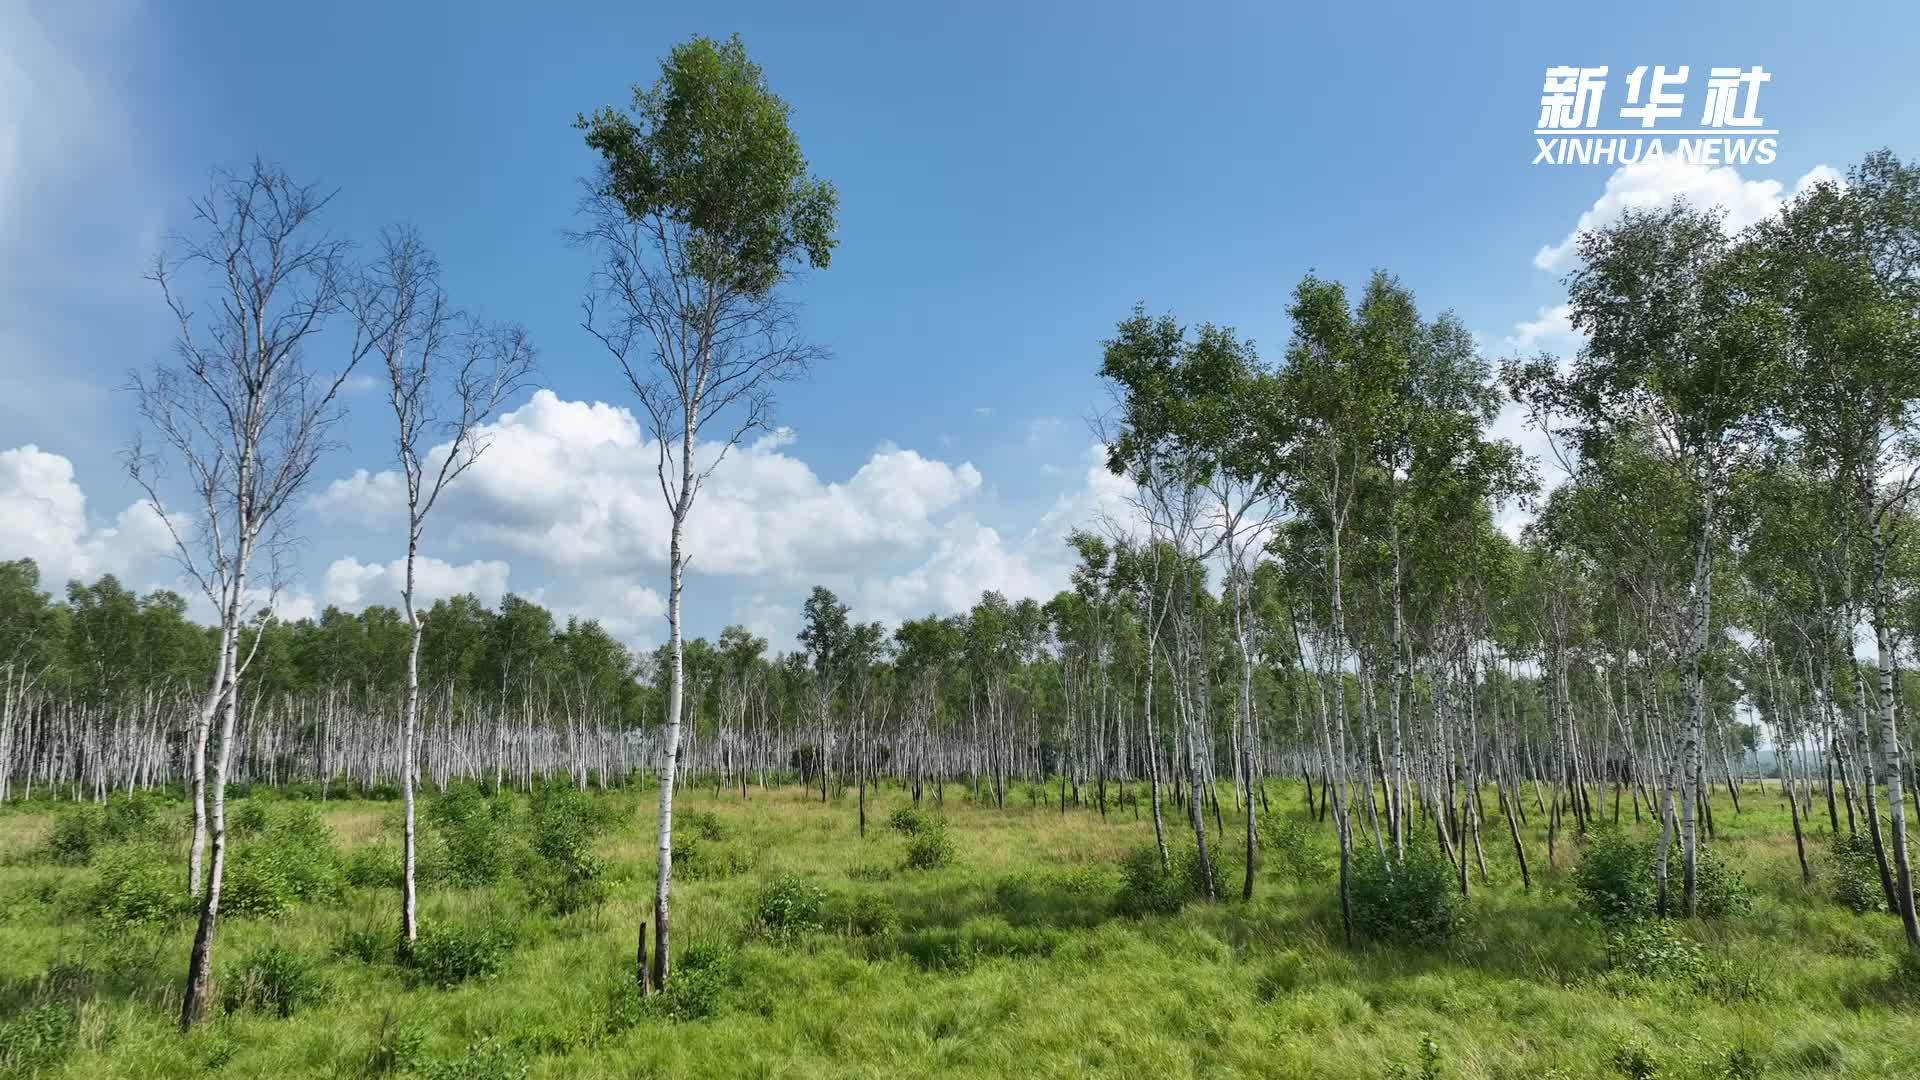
x,y
572,484
1648,184
43,516
350,584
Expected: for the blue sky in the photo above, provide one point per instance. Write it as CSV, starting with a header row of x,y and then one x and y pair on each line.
x,y
1013,178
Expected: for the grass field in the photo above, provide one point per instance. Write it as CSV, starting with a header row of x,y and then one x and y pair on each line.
x,y
806,950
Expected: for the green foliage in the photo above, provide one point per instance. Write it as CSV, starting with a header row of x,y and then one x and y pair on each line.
x,y
83,831
1853,873
704,824
1654,949
1293,849
1614,877
1148,888
448,954
374,866
696,987
788,906
138,885
864,914
1417,901
367,943
930,848
276,981
291,862
473,829
870,872
908,821
697,860
709,146
566,875
1429,1067
398,1047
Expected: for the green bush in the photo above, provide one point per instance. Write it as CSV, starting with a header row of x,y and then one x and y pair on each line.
x,y
696,984
291,862
449,954
908,821
788,906
74,837
276,981
697,860
1853,872
367,943
704,824
473,831
565,875
930,849
137,886
1614,876
866,914
374,866
1653,949
1616,879
250,820
1149,888
1416,901
1291,847
870,872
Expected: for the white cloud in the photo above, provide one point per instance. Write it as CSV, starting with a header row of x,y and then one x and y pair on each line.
x,y
1648,184
1550,330
352,585
572,483
967,559
43,516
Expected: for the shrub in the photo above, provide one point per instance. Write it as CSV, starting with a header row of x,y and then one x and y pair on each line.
x,y
566,875
1149,888
276,981
788,906
374,866
908,821
1854,871
1613,877
472,828
694,860
138,886
249,820
397,1047
367,943
694,990
867,914
929,849
1416,901
291,862
1653,949
1291,847
1616,879
705,824
452,953
74,837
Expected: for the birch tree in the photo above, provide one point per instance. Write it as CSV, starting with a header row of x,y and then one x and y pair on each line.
x,y
244,419
702,209
446,375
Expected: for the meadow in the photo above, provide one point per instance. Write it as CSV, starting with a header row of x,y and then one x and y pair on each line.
x,y
955,940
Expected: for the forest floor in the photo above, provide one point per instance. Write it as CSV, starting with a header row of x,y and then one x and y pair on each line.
x,y
803,949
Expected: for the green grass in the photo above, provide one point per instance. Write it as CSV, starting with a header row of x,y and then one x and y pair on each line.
x,y
1011,961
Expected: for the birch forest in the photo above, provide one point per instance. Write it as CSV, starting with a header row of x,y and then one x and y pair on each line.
x,y
1360,743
